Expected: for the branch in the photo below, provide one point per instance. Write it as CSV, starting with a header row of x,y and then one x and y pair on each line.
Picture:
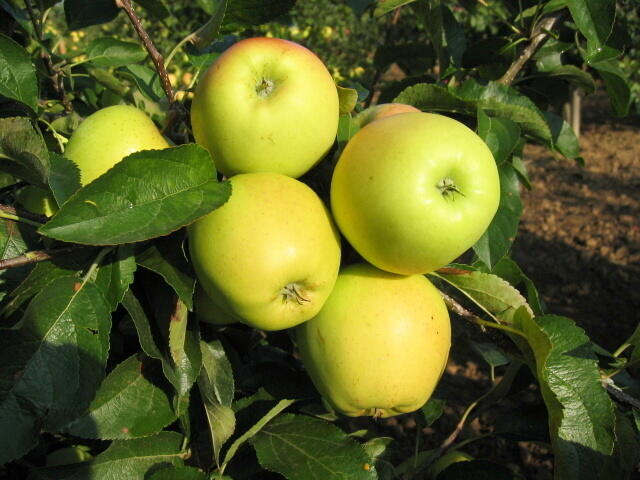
x,y
21,215
53,71
155,55
36,256
617,392
539,34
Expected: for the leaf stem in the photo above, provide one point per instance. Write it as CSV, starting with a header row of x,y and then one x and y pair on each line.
x,y
17,218
458,309
96,262
155,55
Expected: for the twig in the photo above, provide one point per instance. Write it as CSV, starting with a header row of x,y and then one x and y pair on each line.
x,y
20,215
155,55
53,71
617,392
539,34
458,309
35,256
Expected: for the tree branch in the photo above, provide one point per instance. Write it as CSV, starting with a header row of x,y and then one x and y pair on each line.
x,y
155,55
539,34
36,256
33,217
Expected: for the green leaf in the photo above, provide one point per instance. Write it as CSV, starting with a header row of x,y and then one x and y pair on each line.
x,y
512,273
142,324
496,241
501,135
180,473
490,352
581,414
616,84
348,99
17,74
242,14
594,19
573,75
446,35
626,452
347,128
385,6
146,79
216,378
166,257
210,31
115,276
301,447
157,8
564,138
476,469
490,292
432,410
431,98
64,177
82,14
110,52
148,194
23,151
259,425
130,459
132,402
13,243
51,368
360,6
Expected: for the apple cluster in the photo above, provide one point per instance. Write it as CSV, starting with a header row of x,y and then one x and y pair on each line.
x,y
410,192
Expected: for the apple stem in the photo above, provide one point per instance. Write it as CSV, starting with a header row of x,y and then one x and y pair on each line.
x,y
447,187
265,87
290,292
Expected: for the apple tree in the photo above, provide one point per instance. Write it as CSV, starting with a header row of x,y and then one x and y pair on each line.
x,y
107,367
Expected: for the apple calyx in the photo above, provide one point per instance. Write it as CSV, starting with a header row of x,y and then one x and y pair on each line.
x,y
265,87
448,188
290,292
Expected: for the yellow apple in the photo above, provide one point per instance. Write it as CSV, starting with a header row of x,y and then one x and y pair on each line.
x,y
384,110
412,192
266,105
270,255
380,343
107,136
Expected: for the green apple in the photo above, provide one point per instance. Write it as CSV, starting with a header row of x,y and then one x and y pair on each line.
x,y
380,343
383,110
107,136
266,105
412,192
446,460
37,200
270,255
208,311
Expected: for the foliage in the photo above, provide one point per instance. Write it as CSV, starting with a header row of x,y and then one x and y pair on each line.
x,y
105,371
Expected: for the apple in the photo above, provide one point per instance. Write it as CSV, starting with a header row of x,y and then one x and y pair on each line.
x,y
37,200
446,460
412,192
208,311
107,136
270,255
380,343
384,110
266,105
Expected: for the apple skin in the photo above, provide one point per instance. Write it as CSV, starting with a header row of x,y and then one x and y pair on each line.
x,y
387,191
380,343
37,200
107,136
270,255
208,311
383,110
285,129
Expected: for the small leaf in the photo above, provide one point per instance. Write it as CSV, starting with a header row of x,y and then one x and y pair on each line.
x,y
216,377
385,6
432,410
157,8
512,273
131,459
180,473
146,79
17,74
23,151
166,257
131,403
573,75
110,52
116,274
64,177
581,414
148,194
301,447
348,98
82,14
490,353
142,324
242,14
51,368
496,241
564,138
616,84
490,292
594,19
210,31
501,135
347,128
626,453
13,243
